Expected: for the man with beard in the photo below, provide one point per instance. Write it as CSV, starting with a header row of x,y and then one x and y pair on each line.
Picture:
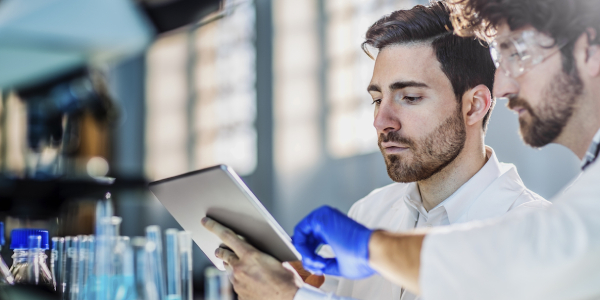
x,y
432,102
548,58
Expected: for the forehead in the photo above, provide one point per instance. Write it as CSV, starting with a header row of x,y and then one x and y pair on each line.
x,y
408,62
503,31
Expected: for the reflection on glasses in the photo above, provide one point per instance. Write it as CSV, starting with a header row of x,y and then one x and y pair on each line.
x,y
520,52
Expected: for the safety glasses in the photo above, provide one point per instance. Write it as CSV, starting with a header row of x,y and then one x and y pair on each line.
x,y
518,53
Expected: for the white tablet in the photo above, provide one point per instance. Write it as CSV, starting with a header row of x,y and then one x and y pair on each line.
x,y
219,193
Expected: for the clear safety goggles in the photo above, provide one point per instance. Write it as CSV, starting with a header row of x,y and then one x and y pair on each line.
x,y
518,53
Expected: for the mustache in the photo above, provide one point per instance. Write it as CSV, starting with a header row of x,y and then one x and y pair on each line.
x,y
517,101
394,136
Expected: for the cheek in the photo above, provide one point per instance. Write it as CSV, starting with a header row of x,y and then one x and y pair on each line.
x,y
531,89
533,83
416,123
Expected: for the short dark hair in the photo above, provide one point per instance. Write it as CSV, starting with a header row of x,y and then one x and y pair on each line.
x,y
563,20
466,61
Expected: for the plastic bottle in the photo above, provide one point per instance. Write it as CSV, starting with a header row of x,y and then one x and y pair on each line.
x,y
29,258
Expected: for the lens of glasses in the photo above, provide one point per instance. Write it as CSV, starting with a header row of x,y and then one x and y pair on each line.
x,y
507,57
495,55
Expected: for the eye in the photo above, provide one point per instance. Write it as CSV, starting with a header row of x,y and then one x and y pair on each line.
x,y
514,57
376,101
412,99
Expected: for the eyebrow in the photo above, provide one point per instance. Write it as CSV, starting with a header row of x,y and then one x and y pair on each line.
x,y
398,85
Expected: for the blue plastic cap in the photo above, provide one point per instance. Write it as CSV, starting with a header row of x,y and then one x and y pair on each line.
x,y
2,241
19,238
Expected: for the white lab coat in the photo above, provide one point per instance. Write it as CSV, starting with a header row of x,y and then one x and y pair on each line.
x,y
552,254
492,192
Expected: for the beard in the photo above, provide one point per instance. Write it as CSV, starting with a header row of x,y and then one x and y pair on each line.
x,y
548,120
429,155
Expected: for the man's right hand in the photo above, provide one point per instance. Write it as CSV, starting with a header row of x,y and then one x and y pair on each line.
x,y
348,239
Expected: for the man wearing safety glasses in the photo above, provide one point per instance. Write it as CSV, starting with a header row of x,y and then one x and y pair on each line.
x,y
432,101
548,58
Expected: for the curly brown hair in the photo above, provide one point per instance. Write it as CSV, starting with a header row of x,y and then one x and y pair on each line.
x,y
563,20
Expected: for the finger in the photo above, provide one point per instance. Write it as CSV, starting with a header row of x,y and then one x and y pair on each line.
x,y
314,263
315,222
325,266
228,271
226,235
331,267
305,239
227,256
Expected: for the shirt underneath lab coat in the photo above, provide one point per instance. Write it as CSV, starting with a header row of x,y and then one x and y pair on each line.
x,y
491,192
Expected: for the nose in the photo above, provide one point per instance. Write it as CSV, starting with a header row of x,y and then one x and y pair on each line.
x,y
386,118
504,86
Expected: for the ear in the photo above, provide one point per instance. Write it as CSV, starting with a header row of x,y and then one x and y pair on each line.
x,y
476,104
590,52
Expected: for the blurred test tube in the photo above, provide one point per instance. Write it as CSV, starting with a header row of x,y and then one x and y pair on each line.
x,y
153,234
82,269
144,281
173,266
123,284
216,285
66,268
115,223
185,260
34,243
87,291
56,262
104,245
73,256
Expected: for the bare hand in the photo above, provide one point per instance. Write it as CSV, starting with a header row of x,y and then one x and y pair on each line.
x,y
254,275
307,277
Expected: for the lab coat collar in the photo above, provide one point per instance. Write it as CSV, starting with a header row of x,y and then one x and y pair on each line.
x,y
459,202
412,200
592,152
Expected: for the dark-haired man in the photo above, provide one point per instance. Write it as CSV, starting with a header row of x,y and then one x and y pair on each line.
x,y
432,101
548,58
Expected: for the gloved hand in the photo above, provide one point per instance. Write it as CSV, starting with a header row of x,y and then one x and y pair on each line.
x,y
348,239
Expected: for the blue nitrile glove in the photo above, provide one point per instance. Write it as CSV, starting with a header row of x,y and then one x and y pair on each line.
x,y
348,239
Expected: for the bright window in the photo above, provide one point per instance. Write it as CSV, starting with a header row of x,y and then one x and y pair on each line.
x,y
201,97
350,113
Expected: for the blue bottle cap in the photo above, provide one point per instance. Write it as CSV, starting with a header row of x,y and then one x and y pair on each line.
x,y
19,238
2,241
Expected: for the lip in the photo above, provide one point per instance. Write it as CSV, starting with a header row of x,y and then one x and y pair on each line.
x,y
519,110
393,148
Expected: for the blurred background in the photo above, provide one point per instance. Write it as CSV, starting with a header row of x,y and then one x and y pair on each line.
x,y
274,88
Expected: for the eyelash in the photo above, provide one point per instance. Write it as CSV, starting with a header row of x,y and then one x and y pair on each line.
x,y
412,99
408,99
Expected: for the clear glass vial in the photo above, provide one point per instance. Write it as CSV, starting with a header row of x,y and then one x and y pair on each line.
x,y
29,258
6,276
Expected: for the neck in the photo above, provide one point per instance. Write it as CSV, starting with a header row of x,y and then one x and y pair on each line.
x,y
577,135
443,184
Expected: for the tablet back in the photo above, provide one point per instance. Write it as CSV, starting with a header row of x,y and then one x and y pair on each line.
x,y
217,192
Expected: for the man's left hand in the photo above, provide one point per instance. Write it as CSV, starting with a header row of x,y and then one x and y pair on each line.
x,y
254,275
